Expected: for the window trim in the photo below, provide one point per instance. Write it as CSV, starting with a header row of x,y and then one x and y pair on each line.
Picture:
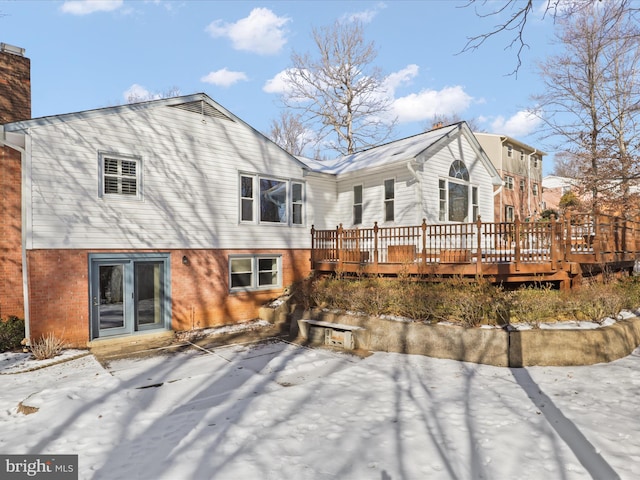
x,y
508,182
507,209
509,151
462,178
389,201
355,210
256,199
255,272
102,156
251,199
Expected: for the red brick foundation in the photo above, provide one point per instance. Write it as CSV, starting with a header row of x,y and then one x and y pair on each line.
x,y
59,290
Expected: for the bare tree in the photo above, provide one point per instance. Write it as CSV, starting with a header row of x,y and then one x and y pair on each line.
x,y
513,17
170,93
442,120
289,132
565,165
338,91
591,99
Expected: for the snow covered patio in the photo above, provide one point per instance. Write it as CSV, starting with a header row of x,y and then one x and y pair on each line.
x,y
275,410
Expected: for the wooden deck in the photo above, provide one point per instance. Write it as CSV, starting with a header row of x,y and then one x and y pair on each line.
x,y
560,250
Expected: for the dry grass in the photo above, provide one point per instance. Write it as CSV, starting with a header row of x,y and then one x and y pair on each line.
x,y
470,303
48,346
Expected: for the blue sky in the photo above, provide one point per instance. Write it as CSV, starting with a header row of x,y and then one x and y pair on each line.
x,y
92,54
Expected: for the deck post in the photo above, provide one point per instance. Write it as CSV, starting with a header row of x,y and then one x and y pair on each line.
x,y
516,252
424,241
375,246
568,233
339,245
313,246
479,246
597,244
553,231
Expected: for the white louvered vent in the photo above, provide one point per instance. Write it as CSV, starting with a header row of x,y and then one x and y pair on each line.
x,y
202,108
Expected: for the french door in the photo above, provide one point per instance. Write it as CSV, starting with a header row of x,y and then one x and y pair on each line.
x,y
129,293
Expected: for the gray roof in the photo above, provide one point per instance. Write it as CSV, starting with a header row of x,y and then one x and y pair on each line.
x,y
399,151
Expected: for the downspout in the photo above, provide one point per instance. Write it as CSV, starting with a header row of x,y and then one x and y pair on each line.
x,y
25,273
535,150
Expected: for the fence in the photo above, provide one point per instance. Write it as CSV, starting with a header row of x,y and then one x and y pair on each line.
x,y
581,238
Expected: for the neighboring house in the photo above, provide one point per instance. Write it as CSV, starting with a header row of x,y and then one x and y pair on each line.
x,y
174,214
441,175
553,188
520,167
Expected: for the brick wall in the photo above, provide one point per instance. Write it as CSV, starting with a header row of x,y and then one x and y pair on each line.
x,y
11,292
15,87
59,290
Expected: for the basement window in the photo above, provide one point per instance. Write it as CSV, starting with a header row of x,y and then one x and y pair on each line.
x,y
255,272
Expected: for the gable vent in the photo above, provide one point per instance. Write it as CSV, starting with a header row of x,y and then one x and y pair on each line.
x,y
202,108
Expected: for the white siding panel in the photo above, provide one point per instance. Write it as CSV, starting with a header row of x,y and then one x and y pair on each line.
x,y
190,183
321,202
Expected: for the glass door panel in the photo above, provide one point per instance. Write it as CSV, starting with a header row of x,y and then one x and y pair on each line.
x,y
109,309
128,293
149,294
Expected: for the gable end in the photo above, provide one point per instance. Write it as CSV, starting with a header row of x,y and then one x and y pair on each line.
x,y
202,108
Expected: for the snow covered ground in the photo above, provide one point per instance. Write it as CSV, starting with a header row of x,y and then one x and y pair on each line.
x,y
274,410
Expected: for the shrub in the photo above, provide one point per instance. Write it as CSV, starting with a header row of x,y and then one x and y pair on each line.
x,y
11,333
597,301
48,346
535,305
471,303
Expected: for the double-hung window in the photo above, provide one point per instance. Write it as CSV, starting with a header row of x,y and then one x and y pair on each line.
x,y
271,200
120,175
509,213
508,182
255,272
246,199
357,204
389,197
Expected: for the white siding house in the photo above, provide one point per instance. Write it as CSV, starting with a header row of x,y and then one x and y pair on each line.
x,y
168,214
174,214
442,175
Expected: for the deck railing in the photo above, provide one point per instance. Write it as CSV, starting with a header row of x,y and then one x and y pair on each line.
x,y
577,238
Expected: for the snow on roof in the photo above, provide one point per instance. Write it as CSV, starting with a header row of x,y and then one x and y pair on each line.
x,y
398,151
554,181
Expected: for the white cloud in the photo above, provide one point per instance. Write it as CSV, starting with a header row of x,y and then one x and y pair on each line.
x,y
224,77
521,124
399,78
261,32
277,84
85,7
137,92
365,16
428,103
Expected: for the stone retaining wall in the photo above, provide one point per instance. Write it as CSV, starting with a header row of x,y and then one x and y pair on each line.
x,y
491,346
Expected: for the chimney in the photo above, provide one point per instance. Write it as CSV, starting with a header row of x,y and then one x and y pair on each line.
x,y
15,84
437,125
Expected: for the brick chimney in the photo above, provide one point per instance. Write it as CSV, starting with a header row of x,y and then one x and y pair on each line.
x,y
15,84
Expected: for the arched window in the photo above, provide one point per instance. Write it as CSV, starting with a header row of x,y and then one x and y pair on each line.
x,y
459,170
456,194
